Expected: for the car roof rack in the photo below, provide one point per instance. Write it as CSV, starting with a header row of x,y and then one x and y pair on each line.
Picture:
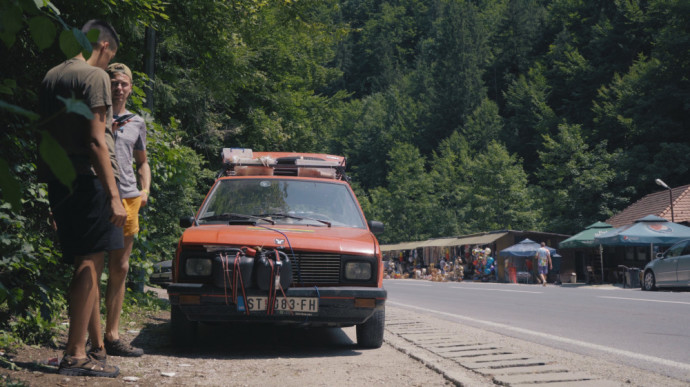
x,y
245,162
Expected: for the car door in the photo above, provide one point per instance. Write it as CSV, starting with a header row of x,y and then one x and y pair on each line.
x,y
666,269
683,270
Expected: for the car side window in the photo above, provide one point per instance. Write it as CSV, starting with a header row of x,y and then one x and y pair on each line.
x,y
677,250
686,251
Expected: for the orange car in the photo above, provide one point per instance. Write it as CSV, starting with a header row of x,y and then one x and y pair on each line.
x,y
280,238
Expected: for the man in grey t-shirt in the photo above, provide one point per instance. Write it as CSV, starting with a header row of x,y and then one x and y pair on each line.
x,y
130,146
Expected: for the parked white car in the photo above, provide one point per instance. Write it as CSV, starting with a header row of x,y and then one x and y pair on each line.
x,y
670,269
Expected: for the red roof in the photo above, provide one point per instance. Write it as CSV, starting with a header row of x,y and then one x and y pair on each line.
x,y
657,203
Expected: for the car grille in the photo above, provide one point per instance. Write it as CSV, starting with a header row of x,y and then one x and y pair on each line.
x,y
315,268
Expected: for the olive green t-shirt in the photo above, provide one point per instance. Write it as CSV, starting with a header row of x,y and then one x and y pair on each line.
x,y
77,79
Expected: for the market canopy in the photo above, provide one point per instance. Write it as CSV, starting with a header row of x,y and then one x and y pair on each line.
x,y
650,230
586,237
526,248
474,239
402,246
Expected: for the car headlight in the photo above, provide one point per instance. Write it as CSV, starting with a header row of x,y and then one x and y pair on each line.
x,y
358,270
198,267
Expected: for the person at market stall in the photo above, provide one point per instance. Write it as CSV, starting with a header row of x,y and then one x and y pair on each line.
x,y
543,262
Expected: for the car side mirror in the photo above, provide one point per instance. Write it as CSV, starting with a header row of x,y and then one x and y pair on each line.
x,y
186,221
659,255
375,227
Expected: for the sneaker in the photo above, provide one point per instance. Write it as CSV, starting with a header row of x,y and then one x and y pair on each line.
x,y
98,354
86,367
120,348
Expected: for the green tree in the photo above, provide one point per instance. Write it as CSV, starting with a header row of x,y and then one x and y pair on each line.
x,y
528,116
517,40
449,175
499,197
572,177
368,129
455,56
483,125
404,206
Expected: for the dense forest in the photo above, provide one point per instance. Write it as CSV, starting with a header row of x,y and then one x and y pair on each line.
x,y
456,116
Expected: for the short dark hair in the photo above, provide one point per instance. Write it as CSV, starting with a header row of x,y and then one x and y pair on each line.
x,y
107,32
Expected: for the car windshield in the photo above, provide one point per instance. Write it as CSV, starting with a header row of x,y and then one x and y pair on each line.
x,y
282,201
676,250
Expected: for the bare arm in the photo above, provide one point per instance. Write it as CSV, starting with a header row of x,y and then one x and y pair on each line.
x,y
100,159
144,174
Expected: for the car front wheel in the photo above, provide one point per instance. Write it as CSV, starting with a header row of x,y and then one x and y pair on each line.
x,y
370,333
649,282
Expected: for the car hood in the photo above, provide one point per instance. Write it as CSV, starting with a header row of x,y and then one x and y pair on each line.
x,y
339,240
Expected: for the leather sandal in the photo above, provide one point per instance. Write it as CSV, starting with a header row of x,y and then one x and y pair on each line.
x,y
86,367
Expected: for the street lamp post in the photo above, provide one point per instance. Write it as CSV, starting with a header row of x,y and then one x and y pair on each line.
x,y
670,195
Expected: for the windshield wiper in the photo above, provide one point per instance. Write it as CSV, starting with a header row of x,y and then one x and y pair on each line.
x,y
230,215
282,215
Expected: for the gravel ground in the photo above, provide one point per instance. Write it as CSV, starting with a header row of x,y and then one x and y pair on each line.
x,y
238,356
241,355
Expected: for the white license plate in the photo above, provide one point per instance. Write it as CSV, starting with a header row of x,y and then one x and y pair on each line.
x,y
294,304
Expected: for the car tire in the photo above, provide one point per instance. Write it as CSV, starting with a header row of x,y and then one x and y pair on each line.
x,y
370,332
649,282
182,329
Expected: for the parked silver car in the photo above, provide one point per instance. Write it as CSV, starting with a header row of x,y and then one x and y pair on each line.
x,y
162,273
670,269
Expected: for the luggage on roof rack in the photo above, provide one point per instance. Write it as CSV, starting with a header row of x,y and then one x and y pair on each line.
x,y
245,162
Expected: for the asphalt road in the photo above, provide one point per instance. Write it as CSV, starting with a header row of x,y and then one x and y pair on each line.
x,y
646,330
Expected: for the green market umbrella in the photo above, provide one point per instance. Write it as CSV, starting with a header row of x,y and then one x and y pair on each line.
x,y
586,237
650,230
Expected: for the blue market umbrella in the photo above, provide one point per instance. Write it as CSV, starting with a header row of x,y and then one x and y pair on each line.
x,y
526,248
647,231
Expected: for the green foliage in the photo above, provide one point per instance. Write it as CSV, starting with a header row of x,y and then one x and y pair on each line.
x,y
406,217
136,302
31,278
8,381
499,197
571,177
449,172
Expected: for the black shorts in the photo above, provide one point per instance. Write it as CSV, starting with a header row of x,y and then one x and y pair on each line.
x,y
83,218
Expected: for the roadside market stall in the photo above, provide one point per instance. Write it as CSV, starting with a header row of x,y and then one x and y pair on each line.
x,y
519,260
586,239
643,236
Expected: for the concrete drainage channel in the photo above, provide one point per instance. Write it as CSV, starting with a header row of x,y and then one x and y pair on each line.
x,y
465,361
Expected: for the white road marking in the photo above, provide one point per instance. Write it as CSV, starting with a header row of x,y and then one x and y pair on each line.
x,y
495,290
504,327
414,284
642,299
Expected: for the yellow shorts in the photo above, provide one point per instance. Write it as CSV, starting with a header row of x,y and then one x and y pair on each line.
x,y
132,206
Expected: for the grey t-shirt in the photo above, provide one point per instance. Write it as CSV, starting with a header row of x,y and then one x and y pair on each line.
x,y
78,79
128,138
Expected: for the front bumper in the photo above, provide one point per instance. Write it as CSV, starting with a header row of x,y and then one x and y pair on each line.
x,y
338,306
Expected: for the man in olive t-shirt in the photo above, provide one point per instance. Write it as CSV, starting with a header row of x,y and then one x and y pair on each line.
x,y
89,215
